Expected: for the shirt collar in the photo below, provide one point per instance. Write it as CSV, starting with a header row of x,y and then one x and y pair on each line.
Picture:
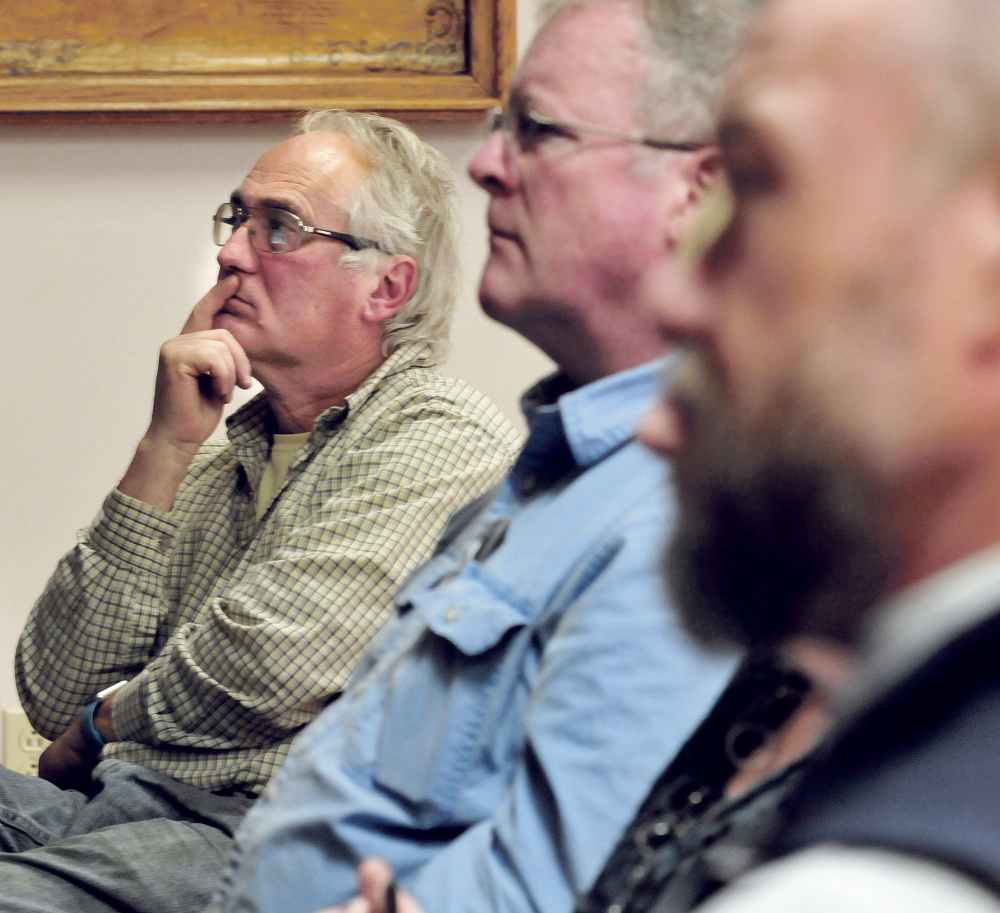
x,y
405,357
255,418
909,627
597,418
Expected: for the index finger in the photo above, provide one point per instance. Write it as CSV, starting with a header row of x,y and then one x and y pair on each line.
x,y
213,301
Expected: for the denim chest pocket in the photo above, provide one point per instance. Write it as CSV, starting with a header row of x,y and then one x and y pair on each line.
x,y
457,700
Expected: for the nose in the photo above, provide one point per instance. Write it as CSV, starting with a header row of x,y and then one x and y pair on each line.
x,y
238,253
491,167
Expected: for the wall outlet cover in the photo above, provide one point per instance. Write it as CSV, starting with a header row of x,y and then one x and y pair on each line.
x,y
22,746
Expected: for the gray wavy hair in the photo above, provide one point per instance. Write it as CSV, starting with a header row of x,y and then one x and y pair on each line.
x,y
409,204
687,47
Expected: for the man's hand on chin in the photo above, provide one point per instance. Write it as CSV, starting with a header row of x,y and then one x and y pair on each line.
x,y
197,374
377,892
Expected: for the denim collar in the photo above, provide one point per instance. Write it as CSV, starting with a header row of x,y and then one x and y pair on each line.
x,y
593,420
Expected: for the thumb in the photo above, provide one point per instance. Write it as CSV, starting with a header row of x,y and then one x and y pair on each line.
x,y
374,877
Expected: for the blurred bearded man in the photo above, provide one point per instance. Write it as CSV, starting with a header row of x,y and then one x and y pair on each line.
x,y
837,436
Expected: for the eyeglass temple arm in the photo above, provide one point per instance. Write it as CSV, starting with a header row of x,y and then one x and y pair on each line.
x,y
632,136
352,241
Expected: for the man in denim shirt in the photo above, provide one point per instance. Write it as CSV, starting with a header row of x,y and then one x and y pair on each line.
x,y
508,721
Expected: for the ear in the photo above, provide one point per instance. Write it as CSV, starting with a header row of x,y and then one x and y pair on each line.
x,y
397,280
700,172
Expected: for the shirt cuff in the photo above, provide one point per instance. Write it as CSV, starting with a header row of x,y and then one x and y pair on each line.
x,y
131,532
129,715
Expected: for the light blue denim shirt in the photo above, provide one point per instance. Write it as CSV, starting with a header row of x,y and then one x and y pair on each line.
x,y
505,725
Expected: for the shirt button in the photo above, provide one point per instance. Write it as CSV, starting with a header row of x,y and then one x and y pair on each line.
x,y
166,542
529,484
452,613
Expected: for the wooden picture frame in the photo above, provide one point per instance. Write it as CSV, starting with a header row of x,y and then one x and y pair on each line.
x,y
247,60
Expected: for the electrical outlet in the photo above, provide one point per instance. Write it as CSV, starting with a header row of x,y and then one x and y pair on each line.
x,y
22,746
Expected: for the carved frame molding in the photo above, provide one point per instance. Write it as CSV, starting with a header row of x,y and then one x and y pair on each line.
x,y
456,69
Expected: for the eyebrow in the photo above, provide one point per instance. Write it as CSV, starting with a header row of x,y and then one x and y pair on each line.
x,y
518,96
522,98
237,199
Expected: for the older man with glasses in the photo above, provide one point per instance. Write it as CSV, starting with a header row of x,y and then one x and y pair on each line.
x,y
223,594
510,718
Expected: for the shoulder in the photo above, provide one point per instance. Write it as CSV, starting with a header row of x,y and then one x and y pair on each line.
x,y
629,490
213,456
420,399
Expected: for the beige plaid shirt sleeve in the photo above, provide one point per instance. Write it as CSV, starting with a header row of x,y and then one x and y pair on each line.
x,y
234,634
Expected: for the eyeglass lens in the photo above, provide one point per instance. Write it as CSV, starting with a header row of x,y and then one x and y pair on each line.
x,y
271,230
518,124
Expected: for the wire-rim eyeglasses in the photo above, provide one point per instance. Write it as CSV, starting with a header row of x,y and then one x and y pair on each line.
x,y
523,125
274,230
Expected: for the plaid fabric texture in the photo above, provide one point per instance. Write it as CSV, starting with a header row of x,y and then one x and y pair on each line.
x,y
235,633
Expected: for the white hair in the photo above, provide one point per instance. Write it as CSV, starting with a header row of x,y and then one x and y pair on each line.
x,y
686,47
408,203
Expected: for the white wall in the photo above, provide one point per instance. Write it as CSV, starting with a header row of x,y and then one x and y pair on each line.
x,y
107,246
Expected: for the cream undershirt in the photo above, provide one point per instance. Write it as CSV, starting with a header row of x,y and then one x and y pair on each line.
x,y
284,449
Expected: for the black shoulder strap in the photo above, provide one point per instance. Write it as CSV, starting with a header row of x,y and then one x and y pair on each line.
x,y
757,702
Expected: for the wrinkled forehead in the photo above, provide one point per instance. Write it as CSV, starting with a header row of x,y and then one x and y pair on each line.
x,y
807,63
587,60
311,175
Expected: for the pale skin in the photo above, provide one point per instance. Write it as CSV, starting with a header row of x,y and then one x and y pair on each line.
x,y
552,274
800,200
859,271
898,419
909,373
576,222
308,329
374,877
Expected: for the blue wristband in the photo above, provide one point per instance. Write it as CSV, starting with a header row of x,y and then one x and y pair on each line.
x,y
95,741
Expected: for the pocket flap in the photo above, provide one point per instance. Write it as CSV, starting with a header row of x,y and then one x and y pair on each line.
x,y
469,614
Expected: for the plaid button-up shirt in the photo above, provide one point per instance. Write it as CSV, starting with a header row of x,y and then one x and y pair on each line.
x,y
233,632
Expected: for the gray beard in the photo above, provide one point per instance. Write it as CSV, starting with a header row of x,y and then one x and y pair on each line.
x,y
778,532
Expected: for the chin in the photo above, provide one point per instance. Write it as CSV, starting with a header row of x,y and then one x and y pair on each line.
x,y
500,296
242,330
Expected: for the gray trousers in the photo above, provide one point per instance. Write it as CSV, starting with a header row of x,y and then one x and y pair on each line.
x,y
138,841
